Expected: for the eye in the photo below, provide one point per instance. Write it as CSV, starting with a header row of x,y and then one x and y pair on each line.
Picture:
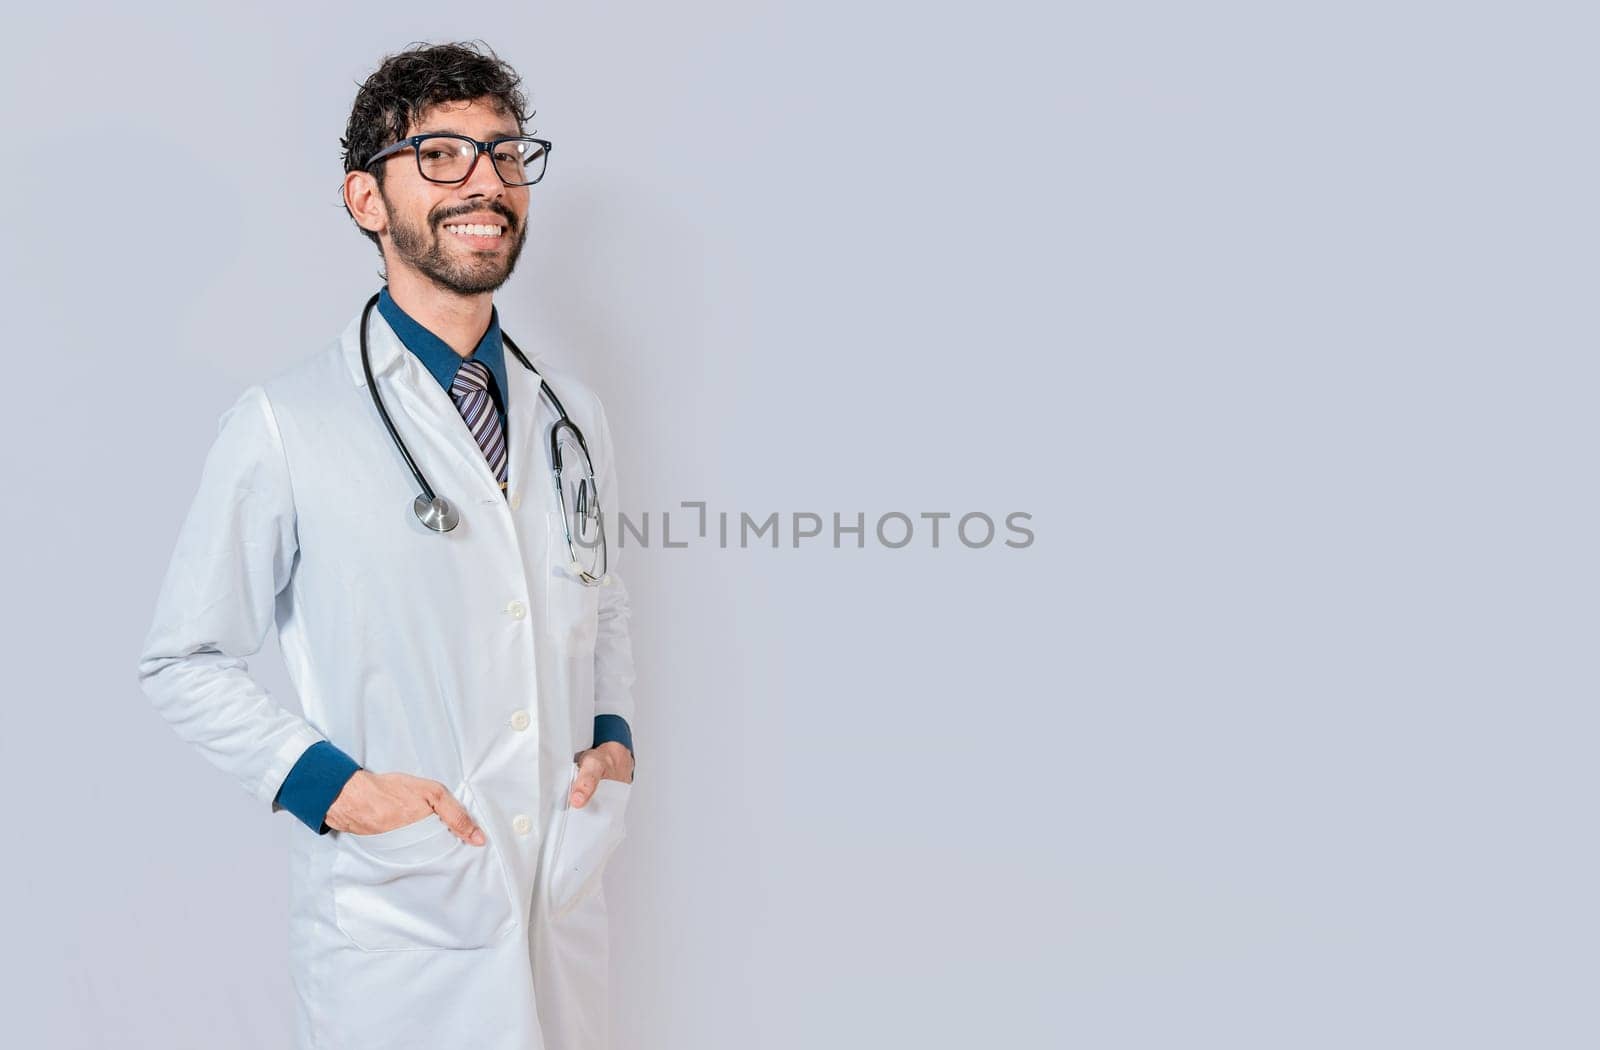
x,y
435,153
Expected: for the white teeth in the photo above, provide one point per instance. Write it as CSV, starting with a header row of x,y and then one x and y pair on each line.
x,y
476,229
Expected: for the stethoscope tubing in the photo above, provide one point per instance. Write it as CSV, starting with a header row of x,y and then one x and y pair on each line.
x,y
416,472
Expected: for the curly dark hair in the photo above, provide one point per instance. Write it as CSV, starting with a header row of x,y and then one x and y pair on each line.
x,y
408,82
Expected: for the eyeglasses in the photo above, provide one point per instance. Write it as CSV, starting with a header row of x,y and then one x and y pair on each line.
x,y
518,160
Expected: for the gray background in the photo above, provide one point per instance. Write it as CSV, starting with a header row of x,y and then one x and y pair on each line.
x,y
1278,318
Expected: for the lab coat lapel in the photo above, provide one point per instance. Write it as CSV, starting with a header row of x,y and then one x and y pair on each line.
x,y
525,429
413,395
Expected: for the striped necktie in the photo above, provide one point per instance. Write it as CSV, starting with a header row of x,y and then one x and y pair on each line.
x,y
471,393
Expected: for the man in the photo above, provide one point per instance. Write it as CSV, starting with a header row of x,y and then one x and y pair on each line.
x,y
464,757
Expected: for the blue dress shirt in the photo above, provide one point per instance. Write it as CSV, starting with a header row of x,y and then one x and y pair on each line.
x,y
322,770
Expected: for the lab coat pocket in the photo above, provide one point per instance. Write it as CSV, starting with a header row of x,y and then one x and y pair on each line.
x,y
572,607
430,829
419,886
586,838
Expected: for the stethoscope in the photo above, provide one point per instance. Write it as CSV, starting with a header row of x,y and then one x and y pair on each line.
x,y
440,515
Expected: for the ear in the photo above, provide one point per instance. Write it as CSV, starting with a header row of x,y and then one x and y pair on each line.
x,y
366,204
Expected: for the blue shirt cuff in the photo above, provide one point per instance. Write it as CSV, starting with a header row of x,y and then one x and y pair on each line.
x,y
314,782
612,727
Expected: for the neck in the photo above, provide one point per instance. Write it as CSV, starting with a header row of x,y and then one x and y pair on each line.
x,y
460,320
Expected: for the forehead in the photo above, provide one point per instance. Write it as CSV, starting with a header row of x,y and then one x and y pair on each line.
x,y
480,118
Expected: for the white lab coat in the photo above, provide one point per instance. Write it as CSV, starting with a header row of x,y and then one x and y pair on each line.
x,y
474,657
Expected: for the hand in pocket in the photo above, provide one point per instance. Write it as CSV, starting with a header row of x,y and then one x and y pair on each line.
x,y
586,838
377,803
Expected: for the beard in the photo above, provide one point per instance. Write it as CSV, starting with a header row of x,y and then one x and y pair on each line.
x,y
466,273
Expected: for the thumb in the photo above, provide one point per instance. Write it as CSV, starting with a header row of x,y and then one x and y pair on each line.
x,y
455,815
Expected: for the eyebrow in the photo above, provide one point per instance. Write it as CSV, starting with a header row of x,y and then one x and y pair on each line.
x,y
491,138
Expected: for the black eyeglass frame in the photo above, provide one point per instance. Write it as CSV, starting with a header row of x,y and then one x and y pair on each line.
x,y
479,147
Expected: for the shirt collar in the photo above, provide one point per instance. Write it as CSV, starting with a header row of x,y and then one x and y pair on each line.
x,y
435,354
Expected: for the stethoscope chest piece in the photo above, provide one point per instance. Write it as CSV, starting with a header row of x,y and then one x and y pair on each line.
x,y
438,513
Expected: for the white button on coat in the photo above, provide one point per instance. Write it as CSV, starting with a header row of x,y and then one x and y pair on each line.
x,y
396,646
520,721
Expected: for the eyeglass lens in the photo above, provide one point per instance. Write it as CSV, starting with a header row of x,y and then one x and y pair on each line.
x,y
446,158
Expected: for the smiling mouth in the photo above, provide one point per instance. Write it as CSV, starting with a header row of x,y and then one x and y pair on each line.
x,y
477,235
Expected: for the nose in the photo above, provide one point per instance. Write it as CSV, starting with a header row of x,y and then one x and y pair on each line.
x,y
482,180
